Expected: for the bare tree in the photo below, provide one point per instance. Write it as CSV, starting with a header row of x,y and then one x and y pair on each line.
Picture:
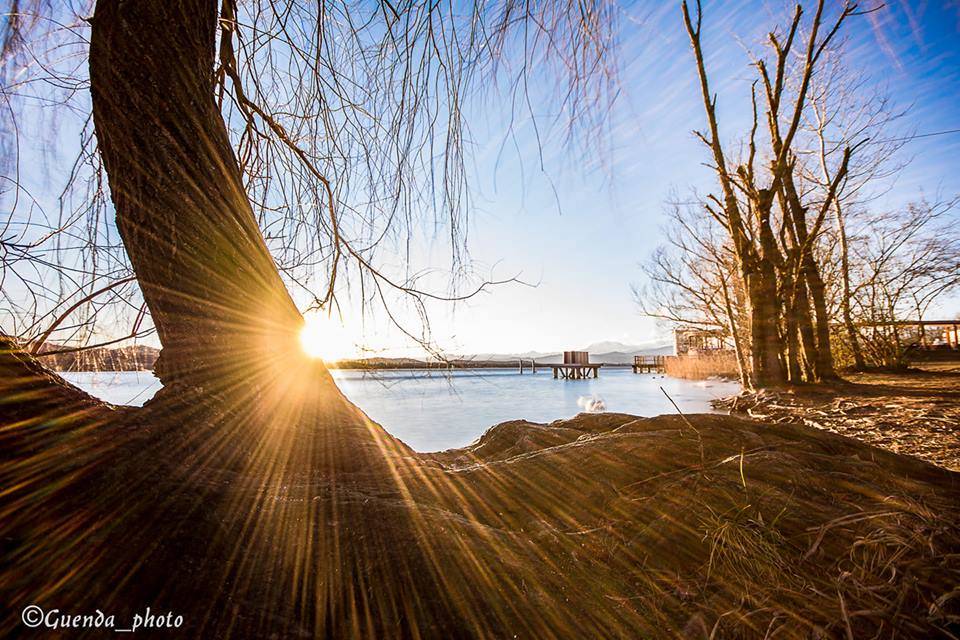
x,y
903,263
692,280
775,254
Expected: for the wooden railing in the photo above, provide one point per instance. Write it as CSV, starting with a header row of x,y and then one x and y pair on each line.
x,y
648,364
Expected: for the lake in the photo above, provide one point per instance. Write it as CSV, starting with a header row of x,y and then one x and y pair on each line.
x,y
431,410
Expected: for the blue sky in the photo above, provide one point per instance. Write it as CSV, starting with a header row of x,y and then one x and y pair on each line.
x,y
585,254
580,226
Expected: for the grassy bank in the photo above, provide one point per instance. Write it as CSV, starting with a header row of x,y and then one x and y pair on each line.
x,y
701,367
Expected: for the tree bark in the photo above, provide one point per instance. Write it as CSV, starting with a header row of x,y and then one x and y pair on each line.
x,y
214,293
808,343
767,304
820,355
766,345
792,352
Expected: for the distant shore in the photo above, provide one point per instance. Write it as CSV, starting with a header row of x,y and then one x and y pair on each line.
x,y
142,358
359,365
453,365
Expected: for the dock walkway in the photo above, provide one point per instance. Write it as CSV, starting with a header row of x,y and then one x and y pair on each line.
x,y
649,364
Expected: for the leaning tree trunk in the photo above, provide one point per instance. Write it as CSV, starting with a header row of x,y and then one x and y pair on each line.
x,y
216,298
256,500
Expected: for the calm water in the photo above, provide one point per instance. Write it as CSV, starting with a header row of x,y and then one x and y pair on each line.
x,y
431,411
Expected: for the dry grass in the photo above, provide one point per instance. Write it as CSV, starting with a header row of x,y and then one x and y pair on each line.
x,y
784,531
872,581
722,365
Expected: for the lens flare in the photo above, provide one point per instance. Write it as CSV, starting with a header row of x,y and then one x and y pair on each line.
x,y
325,338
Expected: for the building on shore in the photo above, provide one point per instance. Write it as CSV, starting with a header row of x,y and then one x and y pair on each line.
x,y
695,341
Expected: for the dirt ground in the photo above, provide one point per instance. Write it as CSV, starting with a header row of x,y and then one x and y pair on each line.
x,y
915,413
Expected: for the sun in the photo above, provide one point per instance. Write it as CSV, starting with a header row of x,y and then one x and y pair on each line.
x,y
325,338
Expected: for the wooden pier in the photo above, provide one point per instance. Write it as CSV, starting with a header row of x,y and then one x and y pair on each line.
x,y
649,364
575,371
576,366
532,367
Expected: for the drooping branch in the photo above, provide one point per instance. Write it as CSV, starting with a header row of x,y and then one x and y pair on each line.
x,y
350,126
36,344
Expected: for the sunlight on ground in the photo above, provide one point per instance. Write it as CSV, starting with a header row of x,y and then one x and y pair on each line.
x,y
326,338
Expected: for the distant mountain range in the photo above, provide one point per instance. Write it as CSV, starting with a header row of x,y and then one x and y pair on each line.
x,y
607,352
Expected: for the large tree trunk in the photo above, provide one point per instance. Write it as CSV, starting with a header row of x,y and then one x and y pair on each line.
x,y
801,310
278,498
791,334
766,345
766,303
822,353
799,326
214,293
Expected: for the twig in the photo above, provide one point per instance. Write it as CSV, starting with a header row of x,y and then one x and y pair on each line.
x,y
690,424
38,343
